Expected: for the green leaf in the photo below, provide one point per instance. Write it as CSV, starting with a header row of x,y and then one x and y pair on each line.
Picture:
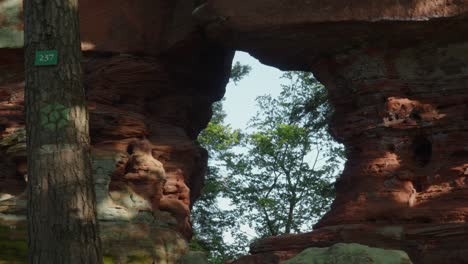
x,y
278,178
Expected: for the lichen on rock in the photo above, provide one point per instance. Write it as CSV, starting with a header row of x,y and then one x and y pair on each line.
x,y
194,257
15,143
342,253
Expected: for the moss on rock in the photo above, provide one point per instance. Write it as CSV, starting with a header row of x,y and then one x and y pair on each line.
x,y
194,257
108,260
13,245
349,254
11,33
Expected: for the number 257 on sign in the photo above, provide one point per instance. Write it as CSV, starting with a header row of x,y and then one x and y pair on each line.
x,y
46,57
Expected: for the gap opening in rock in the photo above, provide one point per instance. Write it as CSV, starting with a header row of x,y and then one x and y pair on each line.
x,y
422,151
269,86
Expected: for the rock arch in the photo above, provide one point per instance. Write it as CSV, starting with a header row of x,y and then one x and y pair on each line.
x,y
396,71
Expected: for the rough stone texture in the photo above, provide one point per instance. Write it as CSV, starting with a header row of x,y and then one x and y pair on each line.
x,y
349,254
194,257
147,168
150,77
11,25
270,13
397,75
410,110
145,26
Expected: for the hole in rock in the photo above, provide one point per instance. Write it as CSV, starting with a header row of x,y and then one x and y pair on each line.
x,y
415,115
141,144
417,185
111,120
421,219
422,151
275,112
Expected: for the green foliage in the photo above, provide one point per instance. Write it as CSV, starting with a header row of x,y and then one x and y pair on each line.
x,y
239,71
217,137
278,178
209,220
284,183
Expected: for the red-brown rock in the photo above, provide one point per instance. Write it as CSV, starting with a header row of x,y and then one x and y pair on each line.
x,y
150,78
396,73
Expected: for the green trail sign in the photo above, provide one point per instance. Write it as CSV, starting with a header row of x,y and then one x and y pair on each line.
x,y
46,57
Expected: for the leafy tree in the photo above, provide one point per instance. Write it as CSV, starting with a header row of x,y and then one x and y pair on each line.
x,y
210,221
284,182
278,178
208,218
239,71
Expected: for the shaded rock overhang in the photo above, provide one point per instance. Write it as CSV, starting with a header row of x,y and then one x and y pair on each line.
x,y
293,35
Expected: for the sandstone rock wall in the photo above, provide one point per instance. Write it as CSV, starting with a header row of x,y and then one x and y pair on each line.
x,y
150,77
396,73
401,112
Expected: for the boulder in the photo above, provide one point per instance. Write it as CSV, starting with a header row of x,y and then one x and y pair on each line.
x,y
342,253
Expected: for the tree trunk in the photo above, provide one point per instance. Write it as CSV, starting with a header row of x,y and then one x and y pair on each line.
x,y
61,211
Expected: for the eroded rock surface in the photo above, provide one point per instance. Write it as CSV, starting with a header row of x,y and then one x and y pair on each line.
x,y
396,73
150,77
349,254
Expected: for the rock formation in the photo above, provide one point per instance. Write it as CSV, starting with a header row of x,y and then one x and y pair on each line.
x,y
349,254
150,76
396,73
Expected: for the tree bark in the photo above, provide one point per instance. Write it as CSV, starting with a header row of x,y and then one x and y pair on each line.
x,y
61,211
